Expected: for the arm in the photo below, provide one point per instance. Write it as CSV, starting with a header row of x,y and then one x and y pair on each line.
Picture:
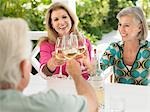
x,y
48,61
108,57
46,50
82,86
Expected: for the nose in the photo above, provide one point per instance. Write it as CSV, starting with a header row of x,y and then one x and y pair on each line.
x,y
61,22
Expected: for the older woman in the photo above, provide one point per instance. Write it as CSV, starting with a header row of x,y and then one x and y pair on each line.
x,y
130,57
60,21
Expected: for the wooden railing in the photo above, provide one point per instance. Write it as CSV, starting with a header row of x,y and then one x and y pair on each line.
x,y
34,36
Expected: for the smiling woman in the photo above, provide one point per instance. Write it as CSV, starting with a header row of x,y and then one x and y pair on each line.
x,y
61,22
130,58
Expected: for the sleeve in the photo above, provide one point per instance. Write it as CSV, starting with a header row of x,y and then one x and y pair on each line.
x,y
89,46
108,57
55,102
85,74
46,50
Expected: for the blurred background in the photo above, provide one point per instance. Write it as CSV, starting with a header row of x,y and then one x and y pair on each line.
x,y
97,17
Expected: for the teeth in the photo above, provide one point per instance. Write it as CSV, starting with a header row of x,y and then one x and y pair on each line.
x,y
123,34
62,27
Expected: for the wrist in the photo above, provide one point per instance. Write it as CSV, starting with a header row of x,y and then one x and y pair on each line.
x,y
50,65
47,71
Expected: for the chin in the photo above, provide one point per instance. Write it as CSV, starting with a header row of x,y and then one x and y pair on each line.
x,y
123,39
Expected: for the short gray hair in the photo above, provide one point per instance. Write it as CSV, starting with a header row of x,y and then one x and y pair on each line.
x,y
139,16
14,47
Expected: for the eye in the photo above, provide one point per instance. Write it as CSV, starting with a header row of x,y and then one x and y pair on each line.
x,y
64,17
55,19
126,25
119,24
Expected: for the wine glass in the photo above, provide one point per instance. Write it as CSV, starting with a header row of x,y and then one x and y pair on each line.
x,y
59,47
71,46
81,48
81,44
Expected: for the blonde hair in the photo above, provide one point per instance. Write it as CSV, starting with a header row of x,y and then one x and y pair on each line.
x,y
14,47
52,34
137,13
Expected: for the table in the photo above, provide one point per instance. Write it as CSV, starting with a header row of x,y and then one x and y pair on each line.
x,y
140,94
129,98
38,84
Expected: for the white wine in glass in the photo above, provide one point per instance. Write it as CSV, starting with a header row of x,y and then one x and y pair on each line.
x,y
59,47
70,53
71,46
81,44
81,50
60,54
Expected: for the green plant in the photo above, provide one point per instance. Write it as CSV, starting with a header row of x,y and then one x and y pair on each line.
x,y
96,17
33,11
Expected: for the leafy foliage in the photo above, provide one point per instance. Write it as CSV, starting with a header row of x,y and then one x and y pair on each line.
x,y
99,16
33,11
96,16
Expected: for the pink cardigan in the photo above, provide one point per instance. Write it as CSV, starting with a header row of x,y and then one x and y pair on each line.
x,y
46,50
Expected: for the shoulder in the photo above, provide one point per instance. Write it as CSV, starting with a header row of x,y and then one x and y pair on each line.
x,y
148,43
51,98
88,41
46,43
115,45
145,44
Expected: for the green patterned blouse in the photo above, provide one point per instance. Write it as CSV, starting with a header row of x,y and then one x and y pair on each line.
x,y
140,71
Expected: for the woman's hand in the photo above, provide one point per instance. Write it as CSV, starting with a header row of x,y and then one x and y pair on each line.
x,y
54,62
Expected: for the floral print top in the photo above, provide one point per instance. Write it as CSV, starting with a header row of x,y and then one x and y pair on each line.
x,y
140,71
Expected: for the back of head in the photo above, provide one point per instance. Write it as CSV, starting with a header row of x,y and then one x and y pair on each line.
x,y
138,15
14,47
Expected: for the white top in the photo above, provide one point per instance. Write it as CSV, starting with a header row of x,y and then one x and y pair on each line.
x,y
129,67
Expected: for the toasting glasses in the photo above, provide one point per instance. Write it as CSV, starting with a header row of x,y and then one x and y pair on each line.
x,y
81,48
81,44
71,46
66,48
59,47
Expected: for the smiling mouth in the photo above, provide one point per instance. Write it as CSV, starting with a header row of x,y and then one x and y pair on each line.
x,y
63,27
123,35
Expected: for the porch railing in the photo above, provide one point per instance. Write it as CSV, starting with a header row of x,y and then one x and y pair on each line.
x,y
34,36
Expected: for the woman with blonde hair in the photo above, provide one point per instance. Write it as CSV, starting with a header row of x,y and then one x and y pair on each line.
x,y
130,58
60,21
